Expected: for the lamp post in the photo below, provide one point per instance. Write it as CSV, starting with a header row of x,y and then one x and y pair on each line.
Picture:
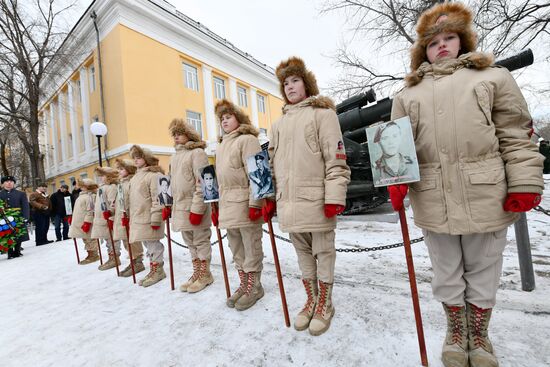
x,y
99,129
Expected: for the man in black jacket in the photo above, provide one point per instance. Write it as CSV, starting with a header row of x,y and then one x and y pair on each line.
x,y
15,199
59,213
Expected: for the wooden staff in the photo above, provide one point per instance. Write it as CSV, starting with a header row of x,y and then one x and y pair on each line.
x,y
127,227
76,250
113,248
222,255
279,276
99,250
170,251
414,292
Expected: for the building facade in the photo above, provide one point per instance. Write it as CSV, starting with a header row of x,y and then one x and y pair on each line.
x,y
156,64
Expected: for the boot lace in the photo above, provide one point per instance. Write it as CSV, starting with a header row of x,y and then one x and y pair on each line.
x,y
479,316
457,326
310,303
250,284
322,298
196,270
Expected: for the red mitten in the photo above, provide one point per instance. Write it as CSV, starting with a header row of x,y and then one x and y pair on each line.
x,y
125,221
195,219
254,214
110,224
397,195
70,219
86,227
333,209
155,228
521,201
166,212
214,217
106,215
268,210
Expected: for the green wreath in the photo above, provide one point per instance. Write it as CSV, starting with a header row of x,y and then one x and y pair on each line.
x,y
12,226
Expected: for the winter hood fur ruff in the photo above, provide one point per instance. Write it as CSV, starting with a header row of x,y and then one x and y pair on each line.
x,y
474,60
138,152
459,20
110,174
315,102
296,66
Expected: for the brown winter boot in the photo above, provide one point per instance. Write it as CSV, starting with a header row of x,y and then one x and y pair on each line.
x,y
110,263
455,347
324,310
92,257
194,276
141,281
138,267
156,275
253,292
304,317
240,291
205,278
481,350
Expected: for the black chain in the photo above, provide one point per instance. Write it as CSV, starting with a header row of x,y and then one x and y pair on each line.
x,y
542,210
182,245
362,249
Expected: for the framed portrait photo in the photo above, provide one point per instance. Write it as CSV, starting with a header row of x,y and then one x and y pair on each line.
x,y
392,153
165,191
209,184
259,174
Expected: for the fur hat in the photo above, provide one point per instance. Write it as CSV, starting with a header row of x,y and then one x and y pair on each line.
x,y
180,127
138,152
111,174
296,66
459,20
224,106
126,164
87,183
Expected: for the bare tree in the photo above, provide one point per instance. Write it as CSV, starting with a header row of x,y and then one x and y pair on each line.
x,y
30,38
384,30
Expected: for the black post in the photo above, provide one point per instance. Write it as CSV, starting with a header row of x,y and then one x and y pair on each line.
x,y
524,254
99,149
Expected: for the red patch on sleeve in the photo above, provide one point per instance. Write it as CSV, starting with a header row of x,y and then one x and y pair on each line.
x,y
340,156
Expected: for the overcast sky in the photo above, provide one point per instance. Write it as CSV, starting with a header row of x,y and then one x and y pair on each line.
x,y
273,30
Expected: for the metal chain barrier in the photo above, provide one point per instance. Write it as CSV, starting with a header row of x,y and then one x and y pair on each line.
x,y
363,249
542,210
182,245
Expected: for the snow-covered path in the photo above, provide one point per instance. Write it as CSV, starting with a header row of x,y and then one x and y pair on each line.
x,y
57,313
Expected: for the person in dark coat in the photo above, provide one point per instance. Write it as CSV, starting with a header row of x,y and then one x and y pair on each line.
x,y
41,206
15,199
75,193
59,213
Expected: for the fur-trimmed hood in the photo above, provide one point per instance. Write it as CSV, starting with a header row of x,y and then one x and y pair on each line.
x,y
181,127
473,60
296,66
139,152
110,174
242,130
190,145
314,101
126,164
87,183
153,169
458,20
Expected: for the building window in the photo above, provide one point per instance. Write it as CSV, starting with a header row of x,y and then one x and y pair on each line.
x,y
70,145
79,91
191,77
92,79
219,88
81,139
61,183
72,181
261,103
243,101
194,118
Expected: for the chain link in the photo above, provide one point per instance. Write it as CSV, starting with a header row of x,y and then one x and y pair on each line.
x,y
182,245
542,210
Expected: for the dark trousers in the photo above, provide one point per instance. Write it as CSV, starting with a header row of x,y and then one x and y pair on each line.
x,y
42,223
58,219
15,251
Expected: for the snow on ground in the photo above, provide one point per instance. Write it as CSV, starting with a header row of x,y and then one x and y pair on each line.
x,y
57,313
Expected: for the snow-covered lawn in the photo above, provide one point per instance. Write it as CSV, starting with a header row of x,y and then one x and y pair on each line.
x,y
58,313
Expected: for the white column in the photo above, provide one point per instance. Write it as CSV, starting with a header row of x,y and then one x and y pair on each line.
x,y
47,143
72,117
62,105
210,117
254,106
233,91
85,110
54,137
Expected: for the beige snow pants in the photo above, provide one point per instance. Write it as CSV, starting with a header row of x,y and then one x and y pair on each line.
x,y
198,242
137,249
316,254
246,246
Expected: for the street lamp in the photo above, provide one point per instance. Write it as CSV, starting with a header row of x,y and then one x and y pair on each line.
x,y
99,129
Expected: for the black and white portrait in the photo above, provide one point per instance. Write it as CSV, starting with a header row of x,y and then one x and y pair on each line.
x,y
392,153
165,191
209,184
102,201
120,198
68,205
260,175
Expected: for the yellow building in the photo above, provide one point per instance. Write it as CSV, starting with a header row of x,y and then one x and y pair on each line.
x,y
156,64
